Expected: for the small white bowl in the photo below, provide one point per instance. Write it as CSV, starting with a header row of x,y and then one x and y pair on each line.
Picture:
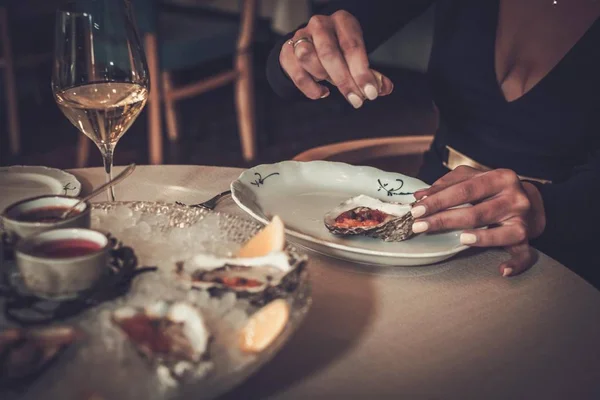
x,y
61,276
21,229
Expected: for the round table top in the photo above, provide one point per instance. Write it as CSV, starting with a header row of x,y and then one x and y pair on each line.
x,y
452,330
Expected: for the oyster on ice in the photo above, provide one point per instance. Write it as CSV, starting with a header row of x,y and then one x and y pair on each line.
x,y
364,215
261,270
25,352
172,334
259,278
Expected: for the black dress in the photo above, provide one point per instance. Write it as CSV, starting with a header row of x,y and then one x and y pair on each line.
x,y
552,132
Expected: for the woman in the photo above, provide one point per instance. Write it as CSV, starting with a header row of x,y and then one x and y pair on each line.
x,y
517,86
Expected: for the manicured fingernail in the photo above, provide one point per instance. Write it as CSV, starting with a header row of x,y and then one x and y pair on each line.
x,y
507,271
468,238
420,226
370,91
418,211
325,94
355,100
389,92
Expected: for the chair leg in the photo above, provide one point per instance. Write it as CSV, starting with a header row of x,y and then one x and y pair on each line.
x,y
11,90
155,147
244,98
83,150
170,112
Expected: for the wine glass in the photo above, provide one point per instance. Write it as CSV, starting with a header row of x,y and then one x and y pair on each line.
x,y
100,76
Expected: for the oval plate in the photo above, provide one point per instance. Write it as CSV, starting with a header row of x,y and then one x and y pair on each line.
x,y
302,192
19,182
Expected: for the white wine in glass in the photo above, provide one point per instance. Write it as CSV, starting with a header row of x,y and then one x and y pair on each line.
x,y
100,78
103,111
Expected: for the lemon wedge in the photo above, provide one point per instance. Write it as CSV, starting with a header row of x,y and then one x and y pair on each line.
x,y
264,326
269,239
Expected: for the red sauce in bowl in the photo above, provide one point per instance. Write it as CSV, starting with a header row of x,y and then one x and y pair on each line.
x,y
66,248
45,214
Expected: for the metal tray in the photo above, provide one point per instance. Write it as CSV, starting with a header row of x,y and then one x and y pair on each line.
x,y
105,365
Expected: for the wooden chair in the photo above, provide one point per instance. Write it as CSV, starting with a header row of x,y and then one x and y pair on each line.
x,y
397,154
175,39
10,90
178,42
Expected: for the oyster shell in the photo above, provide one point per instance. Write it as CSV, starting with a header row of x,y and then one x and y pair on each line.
x,y
26,352
260,279
173,335
364,215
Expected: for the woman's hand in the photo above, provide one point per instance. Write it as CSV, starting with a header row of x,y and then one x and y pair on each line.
x,y
334,51
513,209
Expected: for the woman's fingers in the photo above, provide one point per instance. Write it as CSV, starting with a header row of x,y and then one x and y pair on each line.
x,y
352,46
511,232
485,213
386,85
522,258
478,187
331,48
301,78
499,200
460,174
307,56
331,57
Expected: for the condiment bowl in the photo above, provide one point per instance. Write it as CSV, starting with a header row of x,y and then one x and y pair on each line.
x,y
19,219
60,263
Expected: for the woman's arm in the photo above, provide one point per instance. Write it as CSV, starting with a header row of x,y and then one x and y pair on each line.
x,y
571,207
377,19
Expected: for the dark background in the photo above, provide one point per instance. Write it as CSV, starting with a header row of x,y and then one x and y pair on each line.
x,y
208,125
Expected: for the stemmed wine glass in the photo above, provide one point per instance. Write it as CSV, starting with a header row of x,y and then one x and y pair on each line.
x,y
100,76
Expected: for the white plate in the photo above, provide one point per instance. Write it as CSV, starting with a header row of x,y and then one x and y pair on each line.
x,y
20,182
302,192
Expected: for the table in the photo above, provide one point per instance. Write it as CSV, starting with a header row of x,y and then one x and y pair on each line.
x,y
456,330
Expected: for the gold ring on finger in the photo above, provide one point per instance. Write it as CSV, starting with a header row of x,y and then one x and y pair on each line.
x,y
300,40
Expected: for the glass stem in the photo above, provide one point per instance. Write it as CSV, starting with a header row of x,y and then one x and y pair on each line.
x,y
107,158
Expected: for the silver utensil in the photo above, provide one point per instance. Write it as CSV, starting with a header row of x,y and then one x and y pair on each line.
x,y
122,175
209,204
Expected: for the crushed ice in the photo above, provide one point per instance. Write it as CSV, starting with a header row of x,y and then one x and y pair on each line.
x,y
157,241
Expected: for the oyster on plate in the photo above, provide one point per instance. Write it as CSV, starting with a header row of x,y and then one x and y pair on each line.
x,y
25,352
172,334
364,215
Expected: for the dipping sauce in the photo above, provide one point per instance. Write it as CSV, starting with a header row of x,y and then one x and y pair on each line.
x,y
45,214
66,248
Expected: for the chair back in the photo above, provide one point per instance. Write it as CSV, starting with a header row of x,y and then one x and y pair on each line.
x,y
402,154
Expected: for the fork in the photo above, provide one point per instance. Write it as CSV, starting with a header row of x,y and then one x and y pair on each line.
x,y
209,204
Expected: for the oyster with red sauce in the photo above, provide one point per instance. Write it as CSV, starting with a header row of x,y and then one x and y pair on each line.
x,y
173,335
260,279
364,215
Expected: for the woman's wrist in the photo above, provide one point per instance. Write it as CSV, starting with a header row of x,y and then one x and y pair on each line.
x,y
536,220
